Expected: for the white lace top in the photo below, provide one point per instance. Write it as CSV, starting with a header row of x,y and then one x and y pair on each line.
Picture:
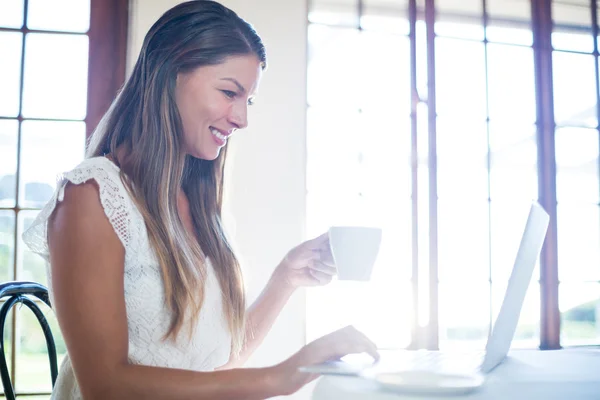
x,y
147,315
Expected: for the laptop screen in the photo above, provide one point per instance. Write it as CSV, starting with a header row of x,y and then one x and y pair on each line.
x,y
506,323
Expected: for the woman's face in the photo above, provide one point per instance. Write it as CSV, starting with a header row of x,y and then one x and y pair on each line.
x,y
213,103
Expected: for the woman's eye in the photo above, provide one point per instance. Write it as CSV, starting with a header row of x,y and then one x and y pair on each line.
x,y
229,93
251,102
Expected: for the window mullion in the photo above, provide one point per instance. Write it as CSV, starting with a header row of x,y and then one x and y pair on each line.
x,y
414,101
594,8
485,21
433,327
542,47
13,344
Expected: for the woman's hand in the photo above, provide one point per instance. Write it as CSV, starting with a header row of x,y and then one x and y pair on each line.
x,y
308,264
330,347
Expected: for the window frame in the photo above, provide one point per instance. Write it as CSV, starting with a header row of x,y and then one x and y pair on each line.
x,y
108,33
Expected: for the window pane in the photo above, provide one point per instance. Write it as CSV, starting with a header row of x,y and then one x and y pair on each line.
x,y
59,15
333,67
11,14
570,40
8,162
460,19
384,163
352,179
30,266
506,79
463,241
572,26
33,368
48,149
577,178
334,12
462,151
513,162
580,313
344,303
384,84
56,68
458,27
421,63
527,334
509,33
390,16
7,244
460,329
509,21
339,56
574,80
578,242
333,155
517,10
460,79
10,72
463,7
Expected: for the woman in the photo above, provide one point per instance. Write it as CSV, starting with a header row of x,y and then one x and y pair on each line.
x,y
147,291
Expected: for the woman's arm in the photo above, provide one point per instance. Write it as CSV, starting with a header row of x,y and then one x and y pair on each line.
x,y
87,262
261,315
308,264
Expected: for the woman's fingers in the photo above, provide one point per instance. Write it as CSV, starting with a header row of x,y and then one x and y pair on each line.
x,y
346,341
326,257
370,347
359,342
322,277
324,268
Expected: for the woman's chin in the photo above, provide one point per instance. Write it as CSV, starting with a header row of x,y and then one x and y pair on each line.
x,y
204,155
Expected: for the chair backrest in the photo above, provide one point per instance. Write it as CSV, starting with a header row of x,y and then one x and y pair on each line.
x,y
18,292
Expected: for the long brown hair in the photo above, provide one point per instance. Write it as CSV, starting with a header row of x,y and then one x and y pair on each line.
x,y
144,124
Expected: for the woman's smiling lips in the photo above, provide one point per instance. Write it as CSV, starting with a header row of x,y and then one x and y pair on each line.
x,y
220,136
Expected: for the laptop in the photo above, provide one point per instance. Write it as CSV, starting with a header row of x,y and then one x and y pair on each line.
x,y
446,371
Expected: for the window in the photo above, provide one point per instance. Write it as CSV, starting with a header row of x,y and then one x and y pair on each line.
x,y
61,66
439,122
575,77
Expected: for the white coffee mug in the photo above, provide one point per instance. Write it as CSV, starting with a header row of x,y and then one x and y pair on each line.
x,y
354,250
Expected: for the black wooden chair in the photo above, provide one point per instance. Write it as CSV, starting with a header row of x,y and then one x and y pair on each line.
x,y
20,292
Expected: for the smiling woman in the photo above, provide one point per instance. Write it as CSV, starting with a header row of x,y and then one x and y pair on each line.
x,y
135,232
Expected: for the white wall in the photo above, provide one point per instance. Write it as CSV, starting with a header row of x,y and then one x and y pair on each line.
x,y
268,174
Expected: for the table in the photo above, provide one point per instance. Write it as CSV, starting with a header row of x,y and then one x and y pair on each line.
x,y
572,374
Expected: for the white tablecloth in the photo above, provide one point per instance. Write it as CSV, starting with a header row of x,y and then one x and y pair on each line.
x,y
524,374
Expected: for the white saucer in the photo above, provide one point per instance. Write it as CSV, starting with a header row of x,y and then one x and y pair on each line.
x,y
429,382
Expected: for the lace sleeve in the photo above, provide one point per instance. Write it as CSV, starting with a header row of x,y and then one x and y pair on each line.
x,y
113,197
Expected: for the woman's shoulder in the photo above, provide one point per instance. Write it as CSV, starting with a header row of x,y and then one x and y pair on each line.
x,y
100,170
94,179
92,168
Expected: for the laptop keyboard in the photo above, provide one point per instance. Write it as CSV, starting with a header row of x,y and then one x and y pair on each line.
x,y
430,360
404,360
